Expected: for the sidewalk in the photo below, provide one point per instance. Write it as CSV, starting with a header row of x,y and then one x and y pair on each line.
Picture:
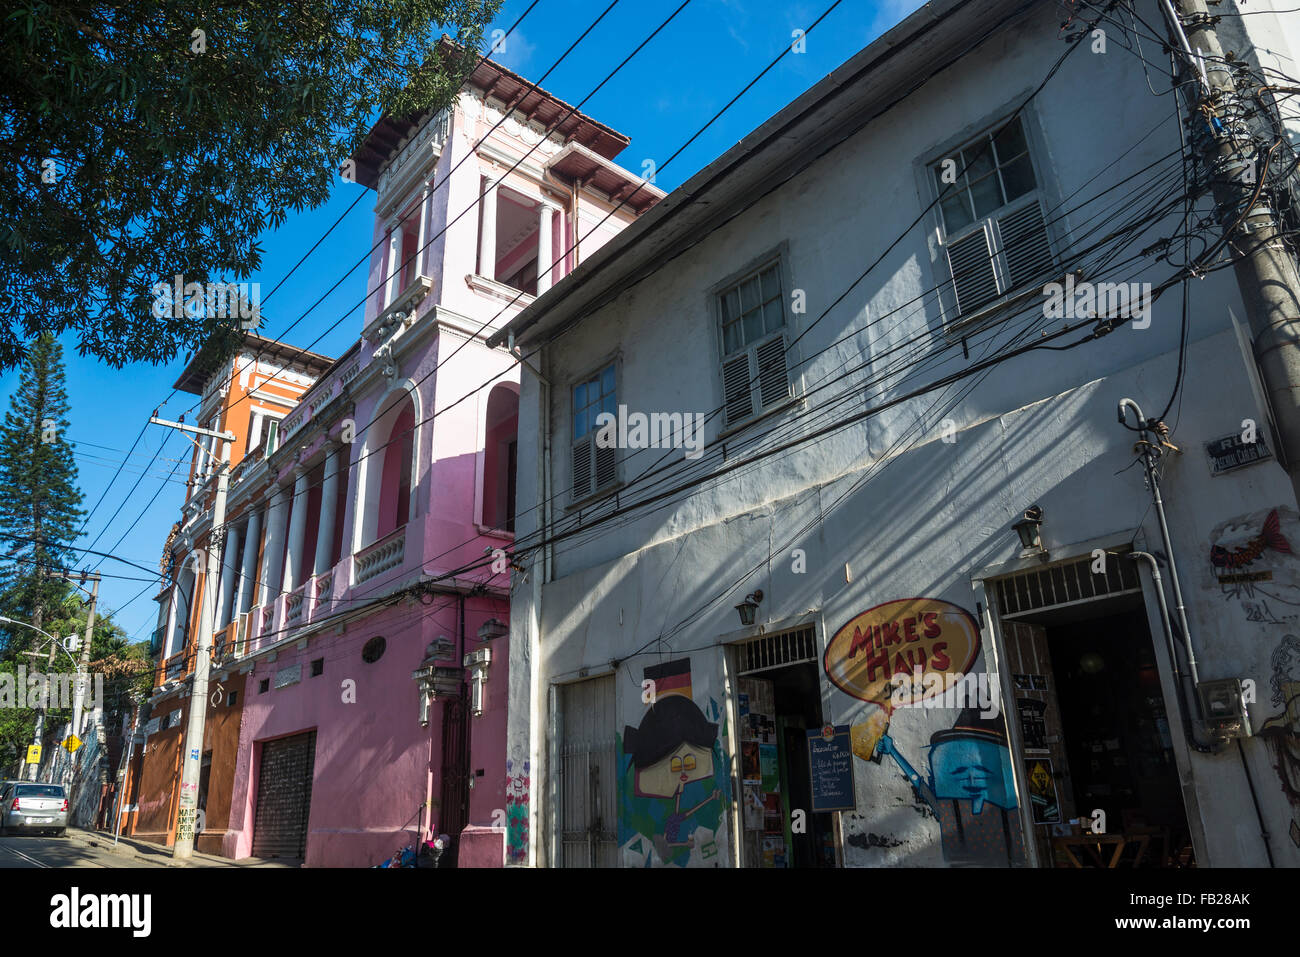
x,y
158,854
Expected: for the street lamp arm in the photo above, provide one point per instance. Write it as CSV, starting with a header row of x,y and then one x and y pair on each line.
x,y
53,638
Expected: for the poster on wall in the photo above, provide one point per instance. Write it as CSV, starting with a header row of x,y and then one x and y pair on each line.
x,y
1033,726
769,768
830,767
1042,791
753,807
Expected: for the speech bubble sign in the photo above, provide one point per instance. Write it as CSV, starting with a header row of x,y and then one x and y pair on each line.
x,y
900,638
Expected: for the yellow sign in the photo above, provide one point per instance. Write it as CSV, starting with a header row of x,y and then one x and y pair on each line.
x,y
33,754
71,742
876,656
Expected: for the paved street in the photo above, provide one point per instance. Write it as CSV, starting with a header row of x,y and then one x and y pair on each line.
x,y
63,852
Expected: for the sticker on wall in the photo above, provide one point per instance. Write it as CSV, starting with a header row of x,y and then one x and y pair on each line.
x,y
1042,791
898,640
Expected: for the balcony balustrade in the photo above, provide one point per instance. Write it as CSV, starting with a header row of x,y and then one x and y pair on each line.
x,y
384,555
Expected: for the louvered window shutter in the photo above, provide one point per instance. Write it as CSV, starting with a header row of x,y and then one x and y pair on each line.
x,y
606,465
974,280
773,382
1025,245
737,393
582,468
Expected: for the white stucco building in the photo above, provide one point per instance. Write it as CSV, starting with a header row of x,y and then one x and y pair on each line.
x,y
869,439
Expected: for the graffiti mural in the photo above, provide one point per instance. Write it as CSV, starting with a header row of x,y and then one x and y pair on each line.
x,y
1282,731
969,789
517,788
674,785
1253,561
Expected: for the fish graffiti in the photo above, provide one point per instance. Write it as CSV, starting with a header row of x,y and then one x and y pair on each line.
x,y
1269,537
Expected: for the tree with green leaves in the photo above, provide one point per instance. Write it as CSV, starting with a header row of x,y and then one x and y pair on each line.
x,y
143,140
40,503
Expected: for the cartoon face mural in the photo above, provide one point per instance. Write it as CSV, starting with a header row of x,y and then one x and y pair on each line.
x,y
970,789
674,790
668,776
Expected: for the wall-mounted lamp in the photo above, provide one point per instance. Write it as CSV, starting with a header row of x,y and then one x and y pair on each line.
x,y
1029,528
749,606
493,628
438,680
477,662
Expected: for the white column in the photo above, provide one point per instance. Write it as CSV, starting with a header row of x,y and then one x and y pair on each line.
x,y
487,245
170,634
421,257
329,496
248,579
228,573
545,217
394,262
273,552
297,533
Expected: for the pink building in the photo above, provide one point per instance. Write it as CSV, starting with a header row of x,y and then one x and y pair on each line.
x,y
366,540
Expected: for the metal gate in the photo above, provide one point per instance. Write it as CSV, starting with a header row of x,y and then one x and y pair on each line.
x,y
455,772
284,796
588,775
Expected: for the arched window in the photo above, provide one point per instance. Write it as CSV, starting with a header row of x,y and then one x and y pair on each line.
x,y
500,445
395,479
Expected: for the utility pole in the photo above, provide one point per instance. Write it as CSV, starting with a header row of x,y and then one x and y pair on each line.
x,y
83,676
192,753
1266,271
124,773
33,769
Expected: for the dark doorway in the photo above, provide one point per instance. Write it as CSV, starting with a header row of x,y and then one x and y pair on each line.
x,y
1117,739
778,707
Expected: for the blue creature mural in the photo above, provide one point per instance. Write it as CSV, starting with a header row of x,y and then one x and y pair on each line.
x,y
970,790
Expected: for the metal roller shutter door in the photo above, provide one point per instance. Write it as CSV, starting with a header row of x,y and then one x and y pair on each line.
x,y
284,796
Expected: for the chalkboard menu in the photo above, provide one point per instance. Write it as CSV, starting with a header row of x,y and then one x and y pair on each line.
x,y
830,766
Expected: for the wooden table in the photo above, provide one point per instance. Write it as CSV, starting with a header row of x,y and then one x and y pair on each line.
x,y
1092,844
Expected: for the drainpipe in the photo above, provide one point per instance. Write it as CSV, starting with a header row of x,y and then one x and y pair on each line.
x,y
1189,729
1149,458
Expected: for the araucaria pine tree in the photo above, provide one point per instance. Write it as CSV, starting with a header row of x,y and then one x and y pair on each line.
x,y
40,503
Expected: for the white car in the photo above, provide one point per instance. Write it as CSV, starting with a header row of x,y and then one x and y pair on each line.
x,y
26,806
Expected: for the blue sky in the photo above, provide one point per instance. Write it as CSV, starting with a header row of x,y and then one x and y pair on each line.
x,y
660,99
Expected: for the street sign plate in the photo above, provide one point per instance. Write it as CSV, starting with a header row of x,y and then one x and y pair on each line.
x,y
33,754
71,742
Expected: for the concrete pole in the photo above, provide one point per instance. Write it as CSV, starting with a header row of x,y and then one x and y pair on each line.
x,y
33,769
79,707
248,579
1266,272
297,532
273,552
545,217
487,248
192,753
329,497
228,574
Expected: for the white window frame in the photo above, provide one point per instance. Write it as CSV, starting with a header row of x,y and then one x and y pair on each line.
x,y
593,490
780,257
1046,194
